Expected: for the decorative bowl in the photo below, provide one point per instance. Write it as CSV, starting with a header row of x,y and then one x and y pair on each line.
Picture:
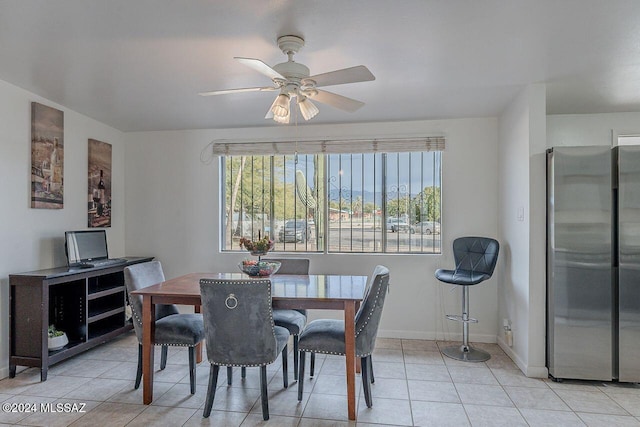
x,y
259,268
56,343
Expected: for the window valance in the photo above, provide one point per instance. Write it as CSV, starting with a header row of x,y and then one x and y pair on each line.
x,y
261,148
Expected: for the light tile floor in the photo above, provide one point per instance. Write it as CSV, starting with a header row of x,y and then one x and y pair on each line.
x,y
415,385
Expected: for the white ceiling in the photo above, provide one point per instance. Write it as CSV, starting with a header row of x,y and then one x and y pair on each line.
x,y
138,65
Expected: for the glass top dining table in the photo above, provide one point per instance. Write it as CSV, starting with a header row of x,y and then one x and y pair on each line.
x,y
328,292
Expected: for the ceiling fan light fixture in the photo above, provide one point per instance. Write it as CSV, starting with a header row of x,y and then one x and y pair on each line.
x,y
280,107
281,119
308,108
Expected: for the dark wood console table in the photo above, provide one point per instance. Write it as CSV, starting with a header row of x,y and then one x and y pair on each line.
x,y
87,304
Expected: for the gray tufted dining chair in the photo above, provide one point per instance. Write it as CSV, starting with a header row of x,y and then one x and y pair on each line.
x,y
293,320
239,331
475,258
171,328
327,335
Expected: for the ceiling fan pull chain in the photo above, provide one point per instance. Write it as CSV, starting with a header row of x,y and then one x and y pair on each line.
x,y
296,124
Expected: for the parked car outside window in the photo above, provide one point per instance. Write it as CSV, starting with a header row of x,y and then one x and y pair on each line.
x,y
295,230
398,224
428,227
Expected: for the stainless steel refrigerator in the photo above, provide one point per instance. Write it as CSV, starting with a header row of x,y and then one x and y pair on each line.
x,y
593,263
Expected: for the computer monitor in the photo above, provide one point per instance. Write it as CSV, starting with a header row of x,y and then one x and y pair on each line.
x,y
85,246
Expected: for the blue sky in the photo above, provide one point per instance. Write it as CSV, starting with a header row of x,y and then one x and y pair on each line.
x,y
406,172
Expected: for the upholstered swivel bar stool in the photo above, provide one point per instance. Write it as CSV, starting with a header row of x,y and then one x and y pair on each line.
x,y
475,258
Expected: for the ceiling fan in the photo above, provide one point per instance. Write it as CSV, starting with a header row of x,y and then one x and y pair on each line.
x,y
292,79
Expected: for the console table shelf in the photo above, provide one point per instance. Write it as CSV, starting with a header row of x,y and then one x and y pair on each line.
x,y
87,304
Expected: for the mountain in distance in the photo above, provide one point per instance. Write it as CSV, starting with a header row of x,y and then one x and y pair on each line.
x,y
367,196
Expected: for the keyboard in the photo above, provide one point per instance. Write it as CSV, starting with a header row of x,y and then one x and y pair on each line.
x,y
102,263
107,262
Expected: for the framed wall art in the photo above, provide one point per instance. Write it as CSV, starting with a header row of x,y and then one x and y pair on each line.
x,y
47,157
99,184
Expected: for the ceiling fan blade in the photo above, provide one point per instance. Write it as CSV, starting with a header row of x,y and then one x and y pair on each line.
x,y
261,67
338,101
245,89
356,74
269,114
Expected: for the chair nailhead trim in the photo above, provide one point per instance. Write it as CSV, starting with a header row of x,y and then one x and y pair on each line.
x,y
241,366
135,314
329,352
174,345
375,304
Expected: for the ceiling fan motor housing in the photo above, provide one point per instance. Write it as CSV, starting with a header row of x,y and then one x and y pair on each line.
x,y
292,71
290,44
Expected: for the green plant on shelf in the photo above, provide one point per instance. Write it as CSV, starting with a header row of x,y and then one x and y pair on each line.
x,y
53,332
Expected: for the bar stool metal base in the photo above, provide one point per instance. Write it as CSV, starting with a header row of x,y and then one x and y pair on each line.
x,y
466,353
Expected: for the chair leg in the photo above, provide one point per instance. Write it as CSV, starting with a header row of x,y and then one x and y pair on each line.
x,y
301,375
211,390
313,364
295,357
163,357
285,368
373,380
192,369
243,372
263,392
465,352
229,375
366,383
465,318
139,371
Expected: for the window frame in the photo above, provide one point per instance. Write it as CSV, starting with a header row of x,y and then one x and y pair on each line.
x,y
384,248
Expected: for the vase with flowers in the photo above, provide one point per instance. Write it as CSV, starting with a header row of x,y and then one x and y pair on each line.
x,y
257,247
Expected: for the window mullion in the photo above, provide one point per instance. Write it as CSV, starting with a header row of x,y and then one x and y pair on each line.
x,y
383,189
351,202
272,199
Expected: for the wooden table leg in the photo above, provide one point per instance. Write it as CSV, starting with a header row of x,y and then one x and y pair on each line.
x,y
350,350
148,331
196,309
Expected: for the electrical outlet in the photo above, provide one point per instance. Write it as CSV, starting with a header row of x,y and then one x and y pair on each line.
x,y
508,337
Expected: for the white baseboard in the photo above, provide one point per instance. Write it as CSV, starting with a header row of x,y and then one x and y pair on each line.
x,y
529,371
537,372
426,335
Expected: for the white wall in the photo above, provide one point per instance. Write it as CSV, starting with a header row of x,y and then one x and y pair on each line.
x,y
537,231
521,291
34,238
172,212
589,129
